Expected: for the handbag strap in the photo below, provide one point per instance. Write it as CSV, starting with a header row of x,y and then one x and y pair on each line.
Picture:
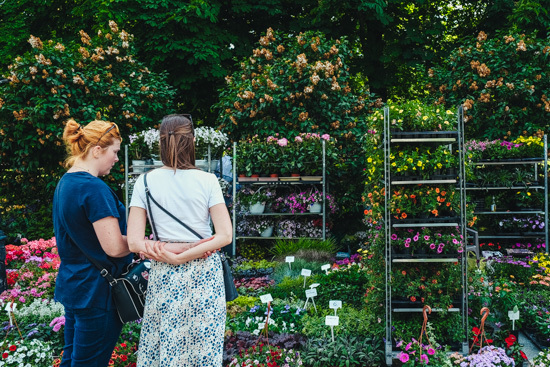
x,y
149,196
104,272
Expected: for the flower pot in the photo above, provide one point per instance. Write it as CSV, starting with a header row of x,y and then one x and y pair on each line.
x,y
274,175
138,165
267,232
256,208
294,175
315,208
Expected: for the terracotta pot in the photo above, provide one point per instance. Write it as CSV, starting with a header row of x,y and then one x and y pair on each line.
x,y
255,175
294,175
274,175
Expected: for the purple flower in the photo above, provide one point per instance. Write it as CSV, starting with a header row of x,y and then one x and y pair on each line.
x,y
432,246
403,357
426,237
415,238
394,237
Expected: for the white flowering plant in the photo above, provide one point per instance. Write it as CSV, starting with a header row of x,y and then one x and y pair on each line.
x,y
25,353
144,144
542,359
39,311
205,136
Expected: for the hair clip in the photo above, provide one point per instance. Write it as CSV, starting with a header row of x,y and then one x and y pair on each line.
x,y
171,132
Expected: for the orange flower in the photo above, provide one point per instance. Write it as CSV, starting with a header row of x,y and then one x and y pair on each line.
x,y
413,298
413,196
434,212
443,193
398,210
403,215
403,272
448,204
369,195
437,190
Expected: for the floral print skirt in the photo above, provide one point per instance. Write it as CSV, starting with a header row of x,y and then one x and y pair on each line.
x,y
184,320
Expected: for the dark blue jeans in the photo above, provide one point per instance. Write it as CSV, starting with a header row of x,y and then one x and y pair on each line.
x,y
90,337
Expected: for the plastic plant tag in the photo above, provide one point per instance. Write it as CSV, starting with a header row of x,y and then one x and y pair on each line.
x,y
265,298
311,293
335,304
314,285
326,268
331,320
289,260
306,272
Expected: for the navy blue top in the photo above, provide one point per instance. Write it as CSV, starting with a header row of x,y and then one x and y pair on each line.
x,y
81,199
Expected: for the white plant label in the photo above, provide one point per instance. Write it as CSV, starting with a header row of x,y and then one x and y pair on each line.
x,y
10,306
266,298
513,315
289,260
314,285
335,304
306,272
326,268
311,293
332,320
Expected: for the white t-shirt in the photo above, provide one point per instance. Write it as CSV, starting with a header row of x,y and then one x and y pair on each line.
x,y
186,194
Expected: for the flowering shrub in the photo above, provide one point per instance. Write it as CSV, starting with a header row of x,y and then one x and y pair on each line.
x,y
416,354
97,77
428,240
499,79
25,353
31,270
258,356
522,147
282,319
300,202
41,310
488,356
124,355
542,359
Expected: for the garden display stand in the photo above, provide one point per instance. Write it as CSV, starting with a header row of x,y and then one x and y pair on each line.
x,y
316,181
477,190
409,141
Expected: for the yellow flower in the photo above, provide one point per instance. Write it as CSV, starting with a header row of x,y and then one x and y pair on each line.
x,y
419,164
425,118
369,160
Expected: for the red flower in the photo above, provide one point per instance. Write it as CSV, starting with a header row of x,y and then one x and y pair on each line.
x,y
5,355
123,357
476,330
510,340
522,354
13,348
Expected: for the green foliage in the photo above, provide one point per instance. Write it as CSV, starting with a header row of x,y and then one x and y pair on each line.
x,y
344,351
352,321
348,284
96,78
289,287
252,250
501,79
445,326
283,270
282,247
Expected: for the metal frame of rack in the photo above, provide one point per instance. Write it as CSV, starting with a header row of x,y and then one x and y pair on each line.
x,y
322,182
524,161
388,226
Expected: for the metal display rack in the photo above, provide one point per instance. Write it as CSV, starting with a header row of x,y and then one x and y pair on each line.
x,y
321,182
455,138
535,162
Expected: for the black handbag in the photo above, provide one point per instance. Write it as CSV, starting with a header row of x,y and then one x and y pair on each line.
x,y
129,290
229,284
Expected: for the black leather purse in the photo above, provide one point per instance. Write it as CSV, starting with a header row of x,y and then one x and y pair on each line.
x,y
230,289
129,290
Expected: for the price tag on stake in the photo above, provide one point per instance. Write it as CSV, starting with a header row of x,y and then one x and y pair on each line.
x,y
266,298
311,293
326,268
289,260
331,320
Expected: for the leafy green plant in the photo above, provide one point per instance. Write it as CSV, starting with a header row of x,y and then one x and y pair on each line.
x,y
345,351
352,321
283,247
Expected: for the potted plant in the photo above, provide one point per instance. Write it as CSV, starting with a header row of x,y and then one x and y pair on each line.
x,y
143,147
255,200
206,137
